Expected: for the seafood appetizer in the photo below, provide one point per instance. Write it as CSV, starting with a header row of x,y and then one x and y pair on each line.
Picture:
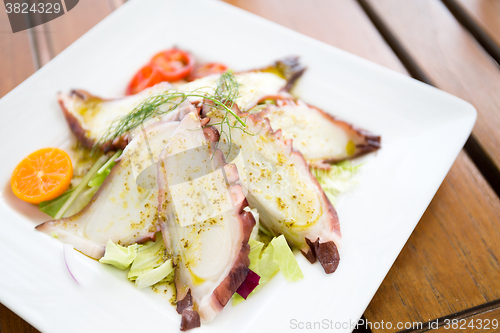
x,y
199,179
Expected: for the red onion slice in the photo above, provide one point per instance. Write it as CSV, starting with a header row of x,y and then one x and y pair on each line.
x,y
69,260
250,283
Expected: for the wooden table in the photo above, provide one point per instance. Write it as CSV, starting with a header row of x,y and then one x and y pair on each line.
x,y
450,266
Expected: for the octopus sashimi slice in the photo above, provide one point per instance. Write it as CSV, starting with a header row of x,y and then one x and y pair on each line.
x,y
89,116
288,197
121,210
204,225
319,136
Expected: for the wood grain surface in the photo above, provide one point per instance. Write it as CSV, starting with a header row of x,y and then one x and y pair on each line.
x,y
16,62
12,323
16,65
58,34
339,23
480,19
451,58
450,263
487,15
486,322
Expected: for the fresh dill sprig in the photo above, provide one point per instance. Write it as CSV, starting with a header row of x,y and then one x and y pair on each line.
x,y
227,89
145,110
223,99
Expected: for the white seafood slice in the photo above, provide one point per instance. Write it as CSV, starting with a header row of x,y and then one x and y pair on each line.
x,y
211,254
319,136
121,210
90,116
287,196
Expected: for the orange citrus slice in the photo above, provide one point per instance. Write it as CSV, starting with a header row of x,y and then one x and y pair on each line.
x,y
43,175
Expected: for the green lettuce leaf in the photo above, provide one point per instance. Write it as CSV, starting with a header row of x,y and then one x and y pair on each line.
x,y
99,171
277,256
255,214
237,299
119,256
284,257
149,257
266,266
254,254
154,276
104,171
340,178
98,179
81,201
51,207
147,262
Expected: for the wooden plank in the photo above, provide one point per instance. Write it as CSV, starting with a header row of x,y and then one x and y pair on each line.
x,y
451,261
116,3
339,23
16,62
10,322
486,322
54,36
329,16
441,270
68,28
16,65
479,18
486,13
451,58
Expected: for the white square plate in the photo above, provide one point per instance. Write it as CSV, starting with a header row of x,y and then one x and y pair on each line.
x,y
422,129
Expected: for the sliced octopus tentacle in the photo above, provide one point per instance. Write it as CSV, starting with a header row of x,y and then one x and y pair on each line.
x,y
211,255
89,116
280,186
319,136
120,210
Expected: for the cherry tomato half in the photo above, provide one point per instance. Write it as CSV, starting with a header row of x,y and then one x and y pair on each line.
x,y
173,64
207,69
146,77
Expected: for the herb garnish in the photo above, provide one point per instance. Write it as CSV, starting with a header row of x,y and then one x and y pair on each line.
x,y
223,99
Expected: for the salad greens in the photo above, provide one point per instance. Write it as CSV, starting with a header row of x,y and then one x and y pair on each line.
x,y
119,256
266,261
284,257
339,179
51,207
222,99
74,200
149,256
277,256
83,184
104,171
254,254
154,276
148,264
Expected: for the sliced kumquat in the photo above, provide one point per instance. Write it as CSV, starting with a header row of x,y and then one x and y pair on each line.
x,y
43,175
